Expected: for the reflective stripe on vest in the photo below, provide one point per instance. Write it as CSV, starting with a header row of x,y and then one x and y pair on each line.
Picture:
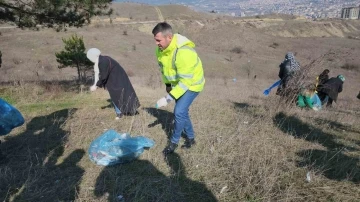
x,y
183,86
175,52
199,82
185,76
171,78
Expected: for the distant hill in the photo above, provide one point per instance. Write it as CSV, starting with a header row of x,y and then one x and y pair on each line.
x,y
126,35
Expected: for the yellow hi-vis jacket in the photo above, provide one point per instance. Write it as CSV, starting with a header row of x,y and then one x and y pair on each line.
x,y
181,67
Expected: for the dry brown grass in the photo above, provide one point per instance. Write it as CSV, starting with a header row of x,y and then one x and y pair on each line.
x,y
250,148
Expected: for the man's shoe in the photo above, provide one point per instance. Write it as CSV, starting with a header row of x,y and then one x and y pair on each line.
x,y
188,143
170,148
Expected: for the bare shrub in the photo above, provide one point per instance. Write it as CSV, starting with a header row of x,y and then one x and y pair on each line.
x,y
298,80
53,87
354,37
16,61
125,33
348,66
134,47
274,45
230,59
237,50
97,25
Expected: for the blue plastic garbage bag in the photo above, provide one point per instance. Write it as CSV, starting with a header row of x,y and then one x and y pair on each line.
x,y
316,101
268,90
113,148
10,117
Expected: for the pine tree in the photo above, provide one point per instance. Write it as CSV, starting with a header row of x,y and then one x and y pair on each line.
x,y
52,13
74,56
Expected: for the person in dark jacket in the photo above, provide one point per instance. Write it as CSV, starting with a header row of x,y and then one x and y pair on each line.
x,y
320,80
287,70
323,77
330,90
110,75
358,96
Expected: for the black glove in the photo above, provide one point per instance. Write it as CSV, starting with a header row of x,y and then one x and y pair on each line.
x,y
168,89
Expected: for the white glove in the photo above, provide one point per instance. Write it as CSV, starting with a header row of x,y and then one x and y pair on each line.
x,y
161,103
164,101
315,109
93,88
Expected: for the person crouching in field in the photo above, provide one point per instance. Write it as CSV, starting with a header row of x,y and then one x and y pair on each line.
x,y
330,90
322,78
110,75
308,98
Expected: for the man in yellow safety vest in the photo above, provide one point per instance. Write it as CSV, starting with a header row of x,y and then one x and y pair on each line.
x,y
183,75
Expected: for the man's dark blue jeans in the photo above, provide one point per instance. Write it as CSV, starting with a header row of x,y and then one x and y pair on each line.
x,y
182,118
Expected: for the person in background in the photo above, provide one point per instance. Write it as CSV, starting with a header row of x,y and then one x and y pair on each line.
x,y
183,75
322,78
330,90
287,71
110,75
308,98
358,96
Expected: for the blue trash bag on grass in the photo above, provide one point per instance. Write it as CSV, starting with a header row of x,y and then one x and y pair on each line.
x,y
113,148
10,117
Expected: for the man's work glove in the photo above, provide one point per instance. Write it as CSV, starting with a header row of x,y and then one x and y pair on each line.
x,y
93,88
168,89
162,102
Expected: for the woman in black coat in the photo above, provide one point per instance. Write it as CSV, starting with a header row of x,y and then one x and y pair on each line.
x,y
331,89
323,77
110,75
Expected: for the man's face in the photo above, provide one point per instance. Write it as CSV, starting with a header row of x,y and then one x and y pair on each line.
x,y
162,41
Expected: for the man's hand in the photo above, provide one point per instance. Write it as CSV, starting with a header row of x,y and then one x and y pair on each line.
x,y
161,103
93,88
168,89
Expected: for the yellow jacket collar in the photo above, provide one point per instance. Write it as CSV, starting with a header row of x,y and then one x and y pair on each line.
x,y
177,42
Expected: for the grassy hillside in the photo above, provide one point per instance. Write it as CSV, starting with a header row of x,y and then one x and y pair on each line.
x,y
249,147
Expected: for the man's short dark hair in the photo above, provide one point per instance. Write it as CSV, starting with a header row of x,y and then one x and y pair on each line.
x,y
162,27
